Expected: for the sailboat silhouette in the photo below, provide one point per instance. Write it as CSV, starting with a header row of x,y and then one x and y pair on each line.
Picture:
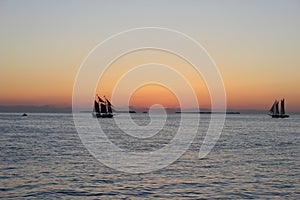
x,y
102,108
274,111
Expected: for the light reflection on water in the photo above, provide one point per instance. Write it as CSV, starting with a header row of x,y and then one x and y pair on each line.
x,y
255,157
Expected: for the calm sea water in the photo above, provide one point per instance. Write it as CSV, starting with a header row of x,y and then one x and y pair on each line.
x,y
256,157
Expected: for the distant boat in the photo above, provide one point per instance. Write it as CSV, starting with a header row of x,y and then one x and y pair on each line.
x,y
274,111
24,115
102,108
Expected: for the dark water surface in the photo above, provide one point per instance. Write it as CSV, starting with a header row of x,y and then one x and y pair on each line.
x,y
256,157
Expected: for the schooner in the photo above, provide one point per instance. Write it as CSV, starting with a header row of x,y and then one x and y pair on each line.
x,y
274,111
102,108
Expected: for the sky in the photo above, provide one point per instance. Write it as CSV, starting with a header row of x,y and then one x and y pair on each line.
x,y
255,45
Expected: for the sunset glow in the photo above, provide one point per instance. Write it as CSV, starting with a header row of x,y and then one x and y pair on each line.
x,y
149,95
42,48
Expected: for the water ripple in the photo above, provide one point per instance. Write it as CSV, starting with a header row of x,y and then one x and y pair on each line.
x,y
255,158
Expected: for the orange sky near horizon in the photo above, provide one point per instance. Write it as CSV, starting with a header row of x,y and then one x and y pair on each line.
x,y
152,65
254,44
149,95
243,92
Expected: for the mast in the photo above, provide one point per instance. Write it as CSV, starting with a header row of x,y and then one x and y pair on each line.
x,y
282,111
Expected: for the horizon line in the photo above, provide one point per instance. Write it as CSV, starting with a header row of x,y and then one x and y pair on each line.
x,y
68,109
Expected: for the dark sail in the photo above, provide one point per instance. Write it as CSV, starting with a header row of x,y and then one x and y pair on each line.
x,y
109,106
282,111
108,102
100,100
103,108
272,109
277,108
96,107
109,109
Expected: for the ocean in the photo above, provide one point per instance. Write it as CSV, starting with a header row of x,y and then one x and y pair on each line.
x,y
256,157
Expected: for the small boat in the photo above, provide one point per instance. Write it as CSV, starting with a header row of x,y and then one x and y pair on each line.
x,y
274,111
102,108
24,115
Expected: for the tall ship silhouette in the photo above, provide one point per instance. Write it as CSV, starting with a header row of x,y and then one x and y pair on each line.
x,y
274,112
102,108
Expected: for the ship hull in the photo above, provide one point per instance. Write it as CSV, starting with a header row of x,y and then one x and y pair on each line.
x,y
102,115
279,116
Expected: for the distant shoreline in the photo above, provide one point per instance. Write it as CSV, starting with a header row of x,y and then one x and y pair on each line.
x,y
35,109
209,112
54,109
